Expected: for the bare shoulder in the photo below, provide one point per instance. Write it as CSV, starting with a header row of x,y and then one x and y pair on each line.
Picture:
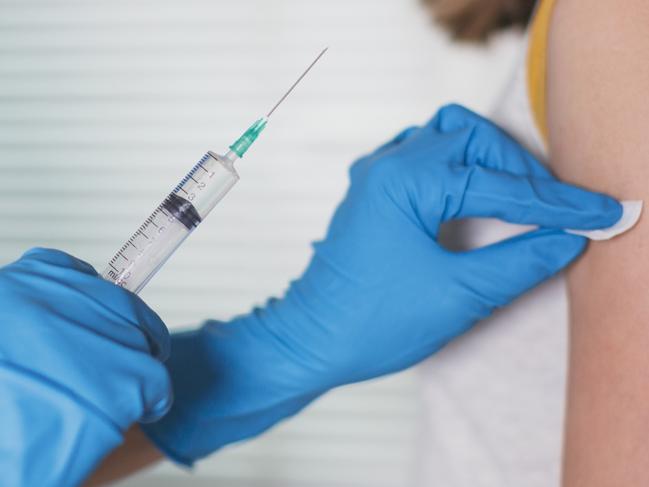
x,y
598,84
598,116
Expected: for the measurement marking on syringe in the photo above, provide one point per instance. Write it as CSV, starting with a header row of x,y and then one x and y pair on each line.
x,y
181,189
114,268
133,245
201,166
190,177
142,233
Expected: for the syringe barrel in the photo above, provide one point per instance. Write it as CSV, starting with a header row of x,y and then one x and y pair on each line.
x,y
172,222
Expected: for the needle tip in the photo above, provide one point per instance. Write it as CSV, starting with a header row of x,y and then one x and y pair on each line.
x,y
297,81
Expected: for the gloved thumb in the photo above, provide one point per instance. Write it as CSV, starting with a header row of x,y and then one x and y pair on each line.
x,y
501,272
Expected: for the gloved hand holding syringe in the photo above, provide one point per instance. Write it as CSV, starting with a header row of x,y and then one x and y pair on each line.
x,y
183,209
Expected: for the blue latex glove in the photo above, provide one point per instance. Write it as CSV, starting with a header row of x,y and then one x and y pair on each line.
x,y
380,293
79,363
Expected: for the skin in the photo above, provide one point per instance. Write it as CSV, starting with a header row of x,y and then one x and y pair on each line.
x,y
598,119
135,454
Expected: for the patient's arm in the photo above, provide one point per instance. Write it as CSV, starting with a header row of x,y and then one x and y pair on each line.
x,y
135,454
599,137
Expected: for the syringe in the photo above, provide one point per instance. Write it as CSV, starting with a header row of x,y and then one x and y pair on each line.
x,y
183,209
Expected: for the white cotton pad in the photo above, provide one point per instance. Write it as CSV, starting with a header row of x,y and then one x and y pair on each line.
x,y
630,216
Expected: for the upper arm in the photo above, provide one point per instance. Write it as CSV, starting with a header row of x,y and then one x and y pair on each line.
x,y
598,109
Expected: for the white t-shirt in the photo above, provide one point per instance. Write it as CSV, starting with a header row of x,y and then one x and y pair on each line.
x,y
495,398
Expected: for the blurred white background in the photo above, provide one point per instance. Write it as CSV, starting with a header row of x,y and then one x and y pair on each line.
x,y
104,105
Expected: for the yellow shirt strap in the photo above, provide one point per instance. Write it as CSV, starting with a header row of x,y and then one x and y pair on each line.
x,y
537,64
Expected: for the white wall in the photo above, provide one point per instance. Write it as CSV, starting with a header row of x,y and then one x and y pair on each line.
x,y
105,104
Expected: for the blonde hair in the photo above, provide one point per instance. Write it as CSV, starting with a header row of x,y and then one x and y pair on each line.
x,y
476,20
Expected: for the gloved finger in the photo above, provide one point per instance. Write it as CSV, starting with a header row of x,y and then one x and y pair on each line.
x,y
486,144
501,272
478,192
58,258
154,328
398,139
132,308
60,268
364,162
157,392
136,333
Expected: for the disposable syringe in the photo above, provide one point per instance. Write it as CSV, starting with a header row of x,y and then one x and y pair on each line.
x,y
183,209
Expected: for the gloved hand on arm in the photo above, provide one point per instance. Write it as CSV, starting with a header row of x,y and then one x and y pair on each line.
x,y
380,294
80,361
